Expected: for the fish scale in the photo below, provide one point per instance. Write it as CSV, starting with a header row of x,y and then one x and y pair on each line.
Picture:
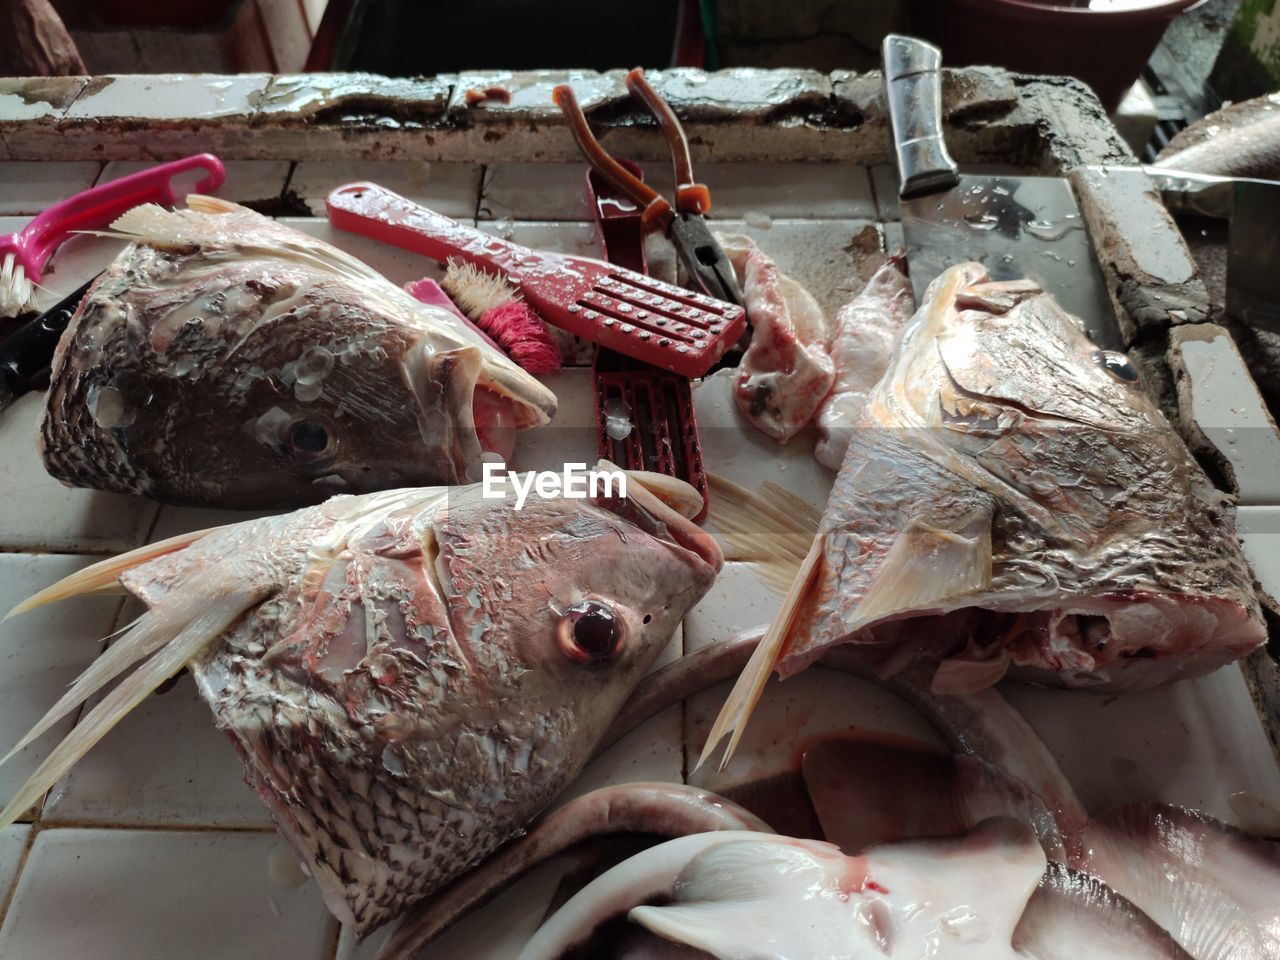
x,y
405,690
1007,508
218,334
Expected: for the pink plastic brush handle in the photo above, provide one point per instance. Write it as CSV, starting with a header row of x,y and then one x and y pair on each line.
x,y
99,206
375,212
432,294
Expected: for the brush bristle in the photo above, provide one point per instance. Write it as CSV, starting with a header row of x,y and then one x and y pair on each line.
x,y
17,292
518,330
475,291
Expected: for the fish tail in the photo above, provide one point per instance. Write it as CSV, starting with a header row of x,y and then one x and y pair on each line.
x,y
104,577
777,532
173,634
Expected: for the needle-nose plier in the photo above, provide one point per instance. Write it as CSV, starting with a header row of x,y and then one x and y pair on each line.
x,y
685,223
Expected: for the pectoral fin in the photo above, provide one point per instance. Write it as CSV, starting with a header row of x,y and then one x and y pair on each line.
x,y
927,566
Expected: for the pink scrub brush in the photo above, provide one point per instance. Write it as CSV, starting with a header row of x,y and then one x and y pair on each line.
x,y
496,309
25,254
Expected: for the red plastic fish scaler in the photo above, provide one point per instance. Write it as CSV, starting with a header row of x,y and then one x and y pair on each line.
x,y
644,416
616,308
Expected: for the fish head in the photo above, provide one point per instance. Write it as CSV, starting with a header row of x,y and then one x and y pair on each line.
x,y
421,671
354,403
228,358
1026,487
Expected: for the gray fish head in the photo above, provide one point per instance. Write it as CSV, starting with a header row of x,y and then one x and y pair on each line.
x,y
226,358
431,666
1019,486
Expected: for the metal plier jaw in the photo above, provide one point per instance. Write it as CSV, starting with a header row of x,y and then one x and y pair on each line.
x,y
684,222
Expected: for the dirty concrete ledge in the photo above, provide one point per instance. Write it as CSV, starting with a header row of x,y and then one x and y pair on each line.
x,y
1041,124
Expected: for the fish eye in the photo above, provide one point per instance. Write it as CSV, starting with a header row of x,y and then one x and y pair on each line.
x,y
1116,364
590,633
312,442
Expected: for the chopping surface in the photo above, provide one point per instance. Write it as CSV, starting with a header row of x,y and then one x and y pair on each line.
x,y
153,847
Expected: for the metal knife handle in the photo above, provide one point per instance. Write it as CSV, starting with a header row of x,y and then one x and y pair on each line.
x,y
913,97
1197,193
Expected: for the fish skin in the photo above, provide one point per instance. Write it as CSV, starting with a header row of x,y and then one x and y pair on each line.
x,y
786,372
1240,140
988,894
996,438
866,329
1214,888
193,357
399,697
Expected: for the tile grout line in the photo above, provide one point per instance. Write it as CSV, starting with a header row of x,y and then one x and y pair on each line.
x,y
17,874
484,173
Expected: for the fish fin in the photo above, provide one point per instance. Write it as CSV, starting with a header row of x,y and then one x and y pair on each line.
x,y
103,577
771,529
925,566
150,632
154,224
177,634
203,203
750,685
680,496
723,896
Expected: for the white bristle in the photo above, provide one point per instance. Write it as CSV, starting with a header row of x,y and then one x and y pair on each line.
x,y
476,291
17,292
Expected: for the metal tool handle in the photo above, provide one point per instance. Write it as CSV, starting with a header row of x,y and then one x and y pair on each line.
x,y
913,98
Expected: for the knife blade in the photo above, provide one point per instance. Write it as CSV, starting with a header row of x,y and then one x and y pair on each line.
x,y
28,352
1252,208
1015,226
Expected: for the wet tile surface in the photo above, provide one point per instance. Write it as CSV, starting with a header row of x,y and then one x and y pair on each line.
x,y
154,895
171,97
1225,405
256,183
41,653
163,764
42,514
166,770
37,98
13,844
448,188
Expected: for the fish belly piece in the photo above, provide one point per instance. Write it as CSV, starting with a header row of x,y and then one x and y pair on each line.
x,y
786,372
866,329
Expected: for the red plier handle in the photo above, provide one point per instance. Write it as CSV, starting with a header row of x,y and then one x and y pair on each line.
x,y
691,196
656,211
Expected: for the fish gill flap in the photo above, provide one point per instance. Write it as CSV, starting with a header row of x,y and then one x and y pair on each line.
x,y
445,383
926,566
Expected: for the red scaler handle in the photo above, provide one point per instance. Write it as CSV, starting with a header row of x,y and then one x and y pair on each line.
x,y
378,213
